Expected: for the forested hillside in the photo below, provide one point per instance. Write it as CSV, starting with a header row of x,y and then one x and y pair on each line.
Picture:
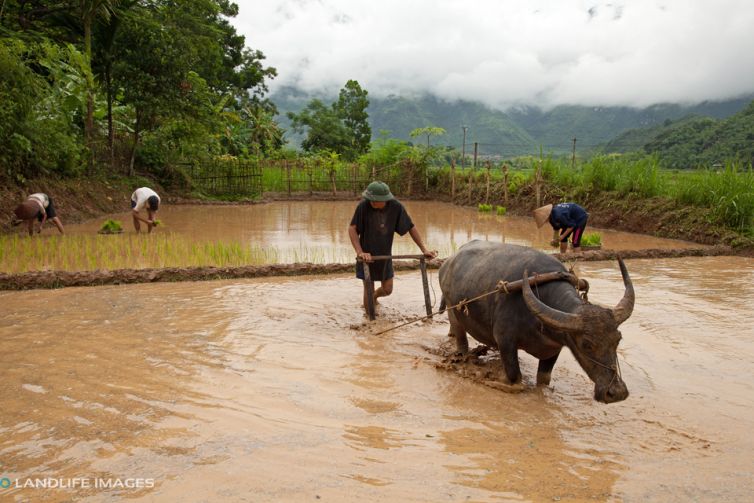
x,y
706,142
517,131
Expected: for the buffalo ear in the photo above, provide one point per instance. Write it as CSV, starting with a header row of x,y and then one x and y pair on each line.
x,y
622,311
549,316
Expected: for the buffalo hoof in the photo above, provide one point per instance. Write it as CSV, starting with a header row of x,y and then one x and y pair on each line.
x,y
543,378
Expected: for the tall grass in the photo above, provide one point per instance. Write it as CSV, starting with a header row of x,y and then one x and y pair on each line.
x,y
729,193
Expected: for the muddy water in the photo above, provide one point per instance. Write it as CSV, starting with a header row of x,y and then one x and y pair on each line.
x,y
277,390
317,231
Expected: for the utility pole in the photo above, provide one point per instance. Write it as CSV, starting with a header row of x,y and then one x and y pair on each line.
x,y
573,155
463,147
476,147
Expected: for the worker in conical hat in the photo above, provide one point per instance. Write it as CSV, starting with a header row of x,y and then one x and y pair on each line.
x,y
568,218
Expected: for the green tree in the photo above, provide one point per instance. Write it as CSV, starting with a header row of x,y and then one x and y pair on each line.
x,y
325,129
352,108
427,131
341,127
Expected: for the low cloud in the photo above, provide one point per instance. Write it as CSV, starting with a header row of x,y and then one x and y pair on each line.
x,y
508,53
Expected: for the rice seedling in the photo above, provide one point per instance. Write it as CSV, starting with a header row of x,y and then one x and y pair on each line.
x,y
485,208
501,210
591,239
111,227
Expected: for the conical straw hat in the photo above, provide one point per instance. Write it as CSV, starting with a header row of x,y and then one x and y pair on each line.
x,y
542,214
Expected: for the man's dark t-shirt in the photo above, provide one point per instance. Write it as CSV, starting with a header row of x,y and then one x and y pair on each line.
x,y
376,229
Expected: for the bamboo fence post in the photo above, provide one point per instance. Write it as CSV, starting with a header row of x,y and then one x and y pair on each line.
x,y
332,180
310,170
487,197
537,184
410,169
288,176
471,185
505,185
452,180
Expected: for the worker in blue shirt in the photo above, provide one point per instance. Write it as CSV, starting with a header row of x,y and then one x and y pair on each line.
x,y
568,218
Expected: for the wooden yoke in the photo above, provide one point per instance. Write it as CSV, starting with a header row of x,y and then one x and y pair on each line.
x,y
580,284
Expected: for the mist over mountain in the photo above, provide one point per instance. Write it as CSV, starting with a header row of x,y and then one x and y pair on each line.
x,y
517,131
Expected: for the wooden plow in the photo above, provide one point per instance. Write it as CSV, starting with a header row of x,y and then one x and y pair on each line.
x,y
369,283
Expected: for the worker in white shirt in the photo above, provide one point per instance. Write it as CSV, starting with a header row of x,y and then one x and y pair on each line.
x,y
144,198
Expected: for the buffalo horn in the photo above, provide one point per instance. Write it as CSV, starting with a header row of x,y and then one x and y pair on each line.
x,y
625,307
549,316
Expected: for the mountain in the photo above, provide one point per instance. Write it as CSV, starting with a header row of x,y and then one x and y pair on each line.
x,y
519,131
706,142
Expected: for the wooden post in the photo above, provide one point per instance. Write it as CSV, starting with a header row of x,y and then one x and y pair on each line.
x,y
476,148
410,168
487,197
310,169
369,288
452,180
471,184
463,147
537,183
332,180
573,155
425,285
505,185
288,176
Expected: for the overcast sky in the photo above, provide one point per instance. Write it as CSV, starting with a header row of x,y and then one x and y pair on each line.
x,y
510,52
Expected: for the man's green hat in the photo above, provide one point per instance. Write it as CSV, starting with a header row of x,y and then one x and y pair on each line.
x,y
378,192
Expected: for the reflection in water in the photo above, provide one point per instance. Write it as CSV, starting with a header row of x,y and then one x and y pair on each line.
x,y
276,390
317,231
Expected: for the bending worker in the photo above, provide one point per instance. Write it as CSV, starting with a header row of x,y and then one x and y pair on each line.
x,y
38,207
376,219
568,218
144,197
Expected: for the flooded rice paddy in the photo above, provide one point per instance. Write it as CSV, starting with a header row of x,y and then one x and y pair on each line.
x,y
317,231
278,390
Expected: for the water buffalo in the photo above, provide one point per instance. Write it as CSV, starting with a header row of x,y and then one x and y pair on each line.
x,y
540,323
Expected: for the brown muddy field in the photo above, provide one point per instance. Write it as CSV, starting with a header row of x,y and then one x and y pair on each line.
x,y
278,389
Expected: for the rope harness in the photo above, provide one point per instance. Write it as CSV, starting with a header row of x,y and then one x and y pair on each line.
x,y
508,287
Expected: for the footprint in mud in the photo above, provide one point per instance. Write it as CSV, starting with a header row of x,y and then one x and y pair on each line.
x,y
481,364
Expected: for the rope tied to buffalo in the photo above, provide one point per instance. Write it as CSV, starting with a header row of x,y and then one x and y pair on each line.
x,y
507,288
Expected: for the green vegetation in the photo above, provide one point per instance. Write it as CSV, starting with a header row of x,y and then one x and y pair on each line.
x,y
728,192
485,208
111,227
591,239
113,86
342,128
501,210
707,142
91,252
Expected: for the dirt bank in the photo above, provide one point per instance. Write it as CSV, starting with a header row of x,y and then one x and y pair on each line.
x,y
76,200
59,279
